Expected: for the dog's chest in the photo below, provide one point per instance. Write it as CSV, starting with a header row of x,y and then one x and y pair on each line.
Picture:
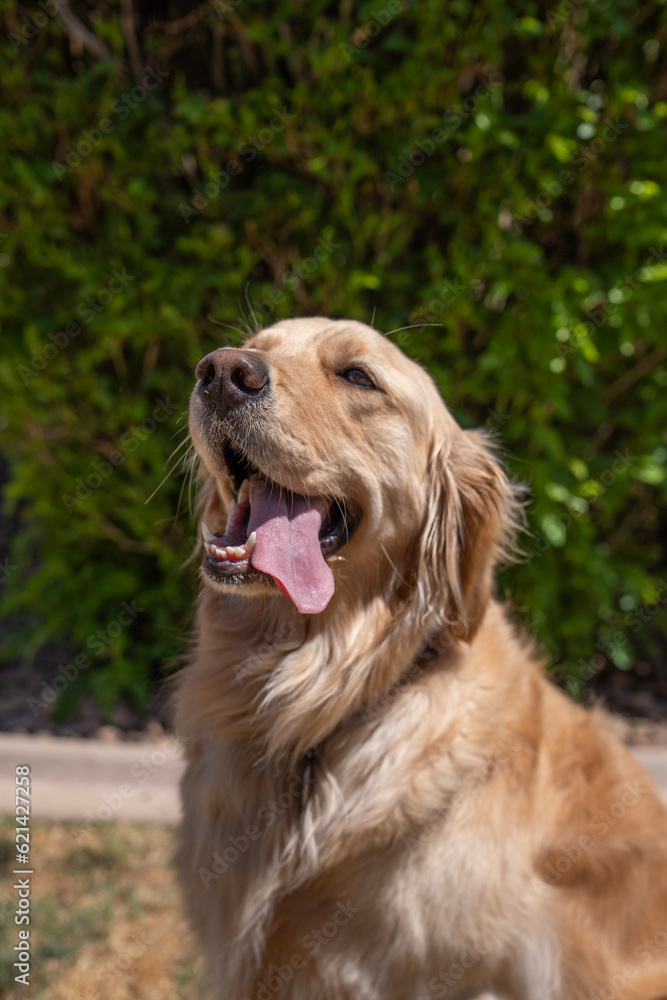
x,y
268,883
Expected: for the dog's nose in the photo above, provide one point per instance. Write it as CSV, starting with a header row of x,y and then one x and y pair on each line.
x,y
229,378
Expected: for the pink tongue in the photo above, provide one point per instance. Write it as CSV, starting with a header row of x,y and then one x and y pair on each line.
x,y
288,545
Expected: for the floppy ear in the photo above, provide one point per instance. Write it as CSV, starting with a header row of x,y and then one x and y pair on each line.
x,y
472,517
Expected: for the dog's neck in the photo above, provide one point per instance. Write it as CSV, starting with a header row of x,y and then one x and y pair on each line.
x,y
252,710
308,765
282,683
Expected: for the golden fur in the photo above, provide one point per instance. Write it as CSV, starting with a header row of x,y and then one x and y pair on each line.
x,y
468,831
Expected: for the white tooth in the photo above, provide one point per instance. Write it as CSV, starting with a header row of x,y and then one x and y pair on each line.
x,y
233,510
252,541
244,492
236,550
215,550
206,532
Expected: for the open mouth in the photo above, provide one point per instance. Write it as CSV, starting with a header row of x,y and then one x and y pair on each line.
x,y
273,531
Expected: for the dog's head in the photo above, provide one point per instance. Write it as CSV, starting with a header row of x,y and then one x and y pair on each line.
x,y
335,465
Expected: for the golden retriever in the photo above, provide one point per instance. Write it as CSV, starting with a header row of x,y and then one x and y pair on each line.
x,y
386,798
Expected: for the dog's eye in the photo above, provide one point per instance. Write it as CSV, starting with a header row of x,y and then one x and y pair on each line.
x,y
357,376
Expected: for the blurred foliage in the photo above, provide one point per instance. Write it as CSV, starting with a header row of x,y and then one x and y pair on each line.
x,y
494,168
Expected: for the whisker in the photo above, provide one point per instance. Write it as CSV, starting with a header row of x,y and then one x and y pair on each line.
x,y
336,493
193,475
186,457
249,329
252,311
393,566
415,326
228,326
178,447
161,484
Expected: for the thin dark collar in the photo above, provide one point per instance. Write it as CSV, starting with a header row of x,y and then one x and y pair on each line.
x,y
426,656
308,765
310,759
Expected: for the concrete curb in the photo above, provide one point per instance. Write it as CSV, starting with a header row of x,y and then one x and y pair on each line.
x,y
654,761
87,781
90,780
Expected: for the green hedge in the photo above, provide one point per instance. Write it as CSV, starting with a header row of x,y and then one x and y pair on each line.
x,y
493,168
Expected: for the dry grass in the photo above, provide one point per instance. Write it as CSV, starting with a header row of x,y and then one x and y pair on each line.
x,y
106,918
